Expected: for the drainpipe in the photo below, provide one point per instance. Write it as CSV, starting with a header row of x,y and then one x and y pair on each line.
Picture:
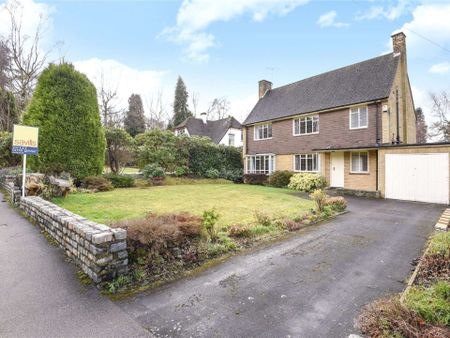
x,y
398,116
376,172
377,116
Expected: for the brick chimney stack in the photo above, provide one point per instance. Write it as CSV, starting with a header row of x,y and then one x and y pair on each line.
x,y
399,48
399,42
264,86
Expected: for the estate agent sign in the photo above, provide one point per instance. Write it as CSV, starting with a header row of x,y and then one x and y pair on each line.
x,y
25,142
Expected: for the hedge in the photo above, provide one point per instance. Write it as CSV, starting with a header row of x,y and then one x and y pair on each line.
x,y
196,155
71,139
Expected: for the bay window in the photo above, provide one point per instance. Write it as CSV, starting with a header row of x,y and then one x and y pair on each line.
x,y
260,164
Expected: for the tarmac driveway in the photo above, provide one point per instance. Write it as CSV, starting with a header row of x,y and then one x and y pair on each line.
x,y
312,285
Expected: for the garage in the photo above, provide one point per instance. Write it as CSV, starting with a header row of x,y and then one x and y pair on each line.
x,y
421,177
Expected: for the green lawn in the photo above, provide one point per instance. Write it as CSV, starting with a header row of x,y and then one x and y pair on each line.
x,y
236,203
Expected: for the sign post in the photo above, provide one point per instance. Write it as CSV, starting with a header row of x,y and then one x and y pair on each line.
x,y
25,142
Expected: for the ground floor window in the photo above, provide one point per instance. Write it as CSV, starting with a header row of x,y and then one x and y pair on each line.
x,y
360,162
306,162
260,164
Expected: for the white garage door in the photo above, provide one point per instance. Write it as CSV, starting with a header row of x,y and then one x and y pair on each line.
x,y
418,177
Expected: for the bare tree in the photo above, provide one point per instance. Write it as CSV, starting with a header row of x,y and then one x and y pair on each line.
x,y
441,111
5,63
218,108
158,114
111,115
195,97
421,127
26,54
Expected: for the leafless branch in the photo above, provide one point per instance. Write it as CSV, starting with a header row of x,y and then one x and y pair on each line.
x,y
26,55
440,128
158,113
111,115
218,108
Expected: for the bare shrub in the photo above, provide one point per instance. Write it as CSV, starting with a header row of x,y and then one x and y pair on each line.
x,y
240,230
387,317
337,203
157,230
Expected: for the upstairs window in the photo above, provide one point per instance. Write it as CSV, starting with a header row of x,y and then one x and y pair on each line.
x,y
263,131
358,117
306,162
231,140
306,125
360,162
179,132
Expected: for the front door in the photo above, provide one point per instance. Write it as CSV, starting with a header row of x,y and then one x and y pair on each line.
x,y
337,170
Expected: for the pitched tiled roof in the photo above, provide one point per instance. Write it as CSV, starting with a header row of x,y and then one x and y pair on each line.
x,y
361,82
215,130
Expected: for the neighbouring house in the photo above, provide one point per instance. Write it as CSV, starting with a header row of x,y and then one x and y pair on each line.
x,y
355,125
227,131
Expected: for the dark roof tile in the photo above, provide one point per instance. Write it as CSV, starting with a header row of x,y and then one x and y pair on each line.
x,y
215,130
361,82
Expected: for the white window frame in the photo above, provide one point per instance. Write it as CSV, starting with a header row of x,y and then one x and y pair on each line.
x,y
359,162
180,131
306,155
298,119
231,136
262,125
359,117
268,171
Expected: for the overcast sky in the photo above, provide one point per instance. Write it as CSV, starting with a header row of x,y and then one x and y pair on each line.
x,y
223,48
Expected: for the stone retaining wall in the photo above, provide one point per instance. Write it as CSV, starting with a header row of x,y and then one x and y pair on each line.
x,y
14,192
100,251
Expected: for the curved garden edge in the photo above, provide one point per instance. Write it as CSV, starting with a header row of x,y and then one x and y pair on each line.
x,y
260,244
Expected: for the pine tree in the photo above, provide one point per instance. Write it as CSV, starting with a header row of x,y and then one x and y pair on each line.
x,y
421,127
135,119
180,105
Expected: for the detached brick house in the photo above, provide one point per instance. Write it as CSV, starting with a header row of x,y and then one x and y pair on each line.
x,y
342,124
227,131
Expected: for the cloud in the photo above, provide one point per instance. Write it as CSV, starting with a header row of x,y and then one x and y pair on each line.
x,y
31,14
391,12
122,78
429,22
329,20
440,68
240,107
195,16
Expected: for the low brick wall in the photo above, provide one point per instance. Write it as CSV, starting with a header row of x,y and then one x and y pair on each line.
x,y
100,251
14,192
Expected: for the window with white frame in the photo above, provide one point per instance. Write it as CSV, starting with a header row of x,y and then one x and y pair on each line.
x,y
263,131
231,139
306,125
306,162
358,117
260,164
179,132
360,162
